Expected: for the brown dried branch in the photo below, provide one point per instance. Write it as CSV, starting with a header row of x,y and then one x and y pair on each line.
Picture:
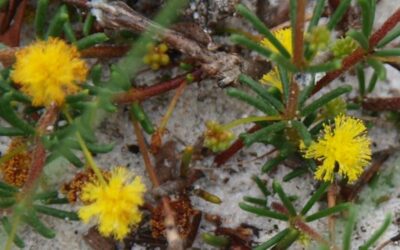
x,y
117,15
381,104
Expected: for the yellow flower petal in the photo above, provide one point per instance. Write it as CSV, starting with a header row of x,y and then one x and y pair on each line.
x,y
272,78
48,71
113,206
346,146
284,36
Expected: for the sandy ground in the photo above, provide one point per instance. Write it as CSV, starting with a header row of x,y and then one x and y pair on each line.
x,y
205,101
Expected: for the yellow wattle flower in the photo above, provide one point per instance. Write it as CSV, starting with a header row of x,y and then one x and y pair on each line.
x,y
347,146
284,36
114,205
48,71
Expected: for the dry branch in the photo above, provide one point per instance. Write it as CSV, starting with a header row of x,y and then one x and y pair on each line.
x,y
117,15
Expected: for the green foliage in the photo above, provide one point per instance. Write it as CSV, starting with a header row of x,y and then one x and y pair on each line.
x,y
8,199
344,47
287,236
301,115
82,111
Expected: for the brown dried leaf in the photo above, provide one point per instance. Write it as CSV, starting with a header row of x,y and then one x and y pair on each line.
x,y
97,242
167,162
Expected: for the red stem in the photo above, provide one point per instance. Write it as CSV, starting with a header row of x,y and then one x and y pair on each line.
x,y
347,63
299,33
225,155
39,152
389,24
381,104
299,224
359,54
38,161
104,51
279,208
140,94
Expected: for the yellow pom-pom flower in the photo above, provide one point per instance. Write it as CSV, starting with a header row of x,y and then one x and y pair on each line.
x,y
113,205
284,36
48,71
345,149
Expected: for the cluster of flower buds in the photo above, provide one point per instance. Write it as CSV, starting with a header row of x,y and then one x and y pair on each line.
x,y
156,56
216,137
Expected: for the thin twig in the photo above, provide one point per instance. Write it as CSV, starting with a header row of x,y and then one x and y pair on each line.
x,y
145,154
173,237
384,244
156,139
140,94
332,191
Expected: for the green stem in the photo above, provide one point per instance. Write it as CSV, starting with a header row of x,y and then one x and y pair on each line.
x,y
315,197
284,198
327,212
250,119
88,156
278,237
288,240
349,229
14,226
377,234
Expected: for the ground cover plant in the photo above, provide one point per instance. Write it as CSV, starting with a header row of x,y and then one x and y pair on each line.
x,y
70,66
